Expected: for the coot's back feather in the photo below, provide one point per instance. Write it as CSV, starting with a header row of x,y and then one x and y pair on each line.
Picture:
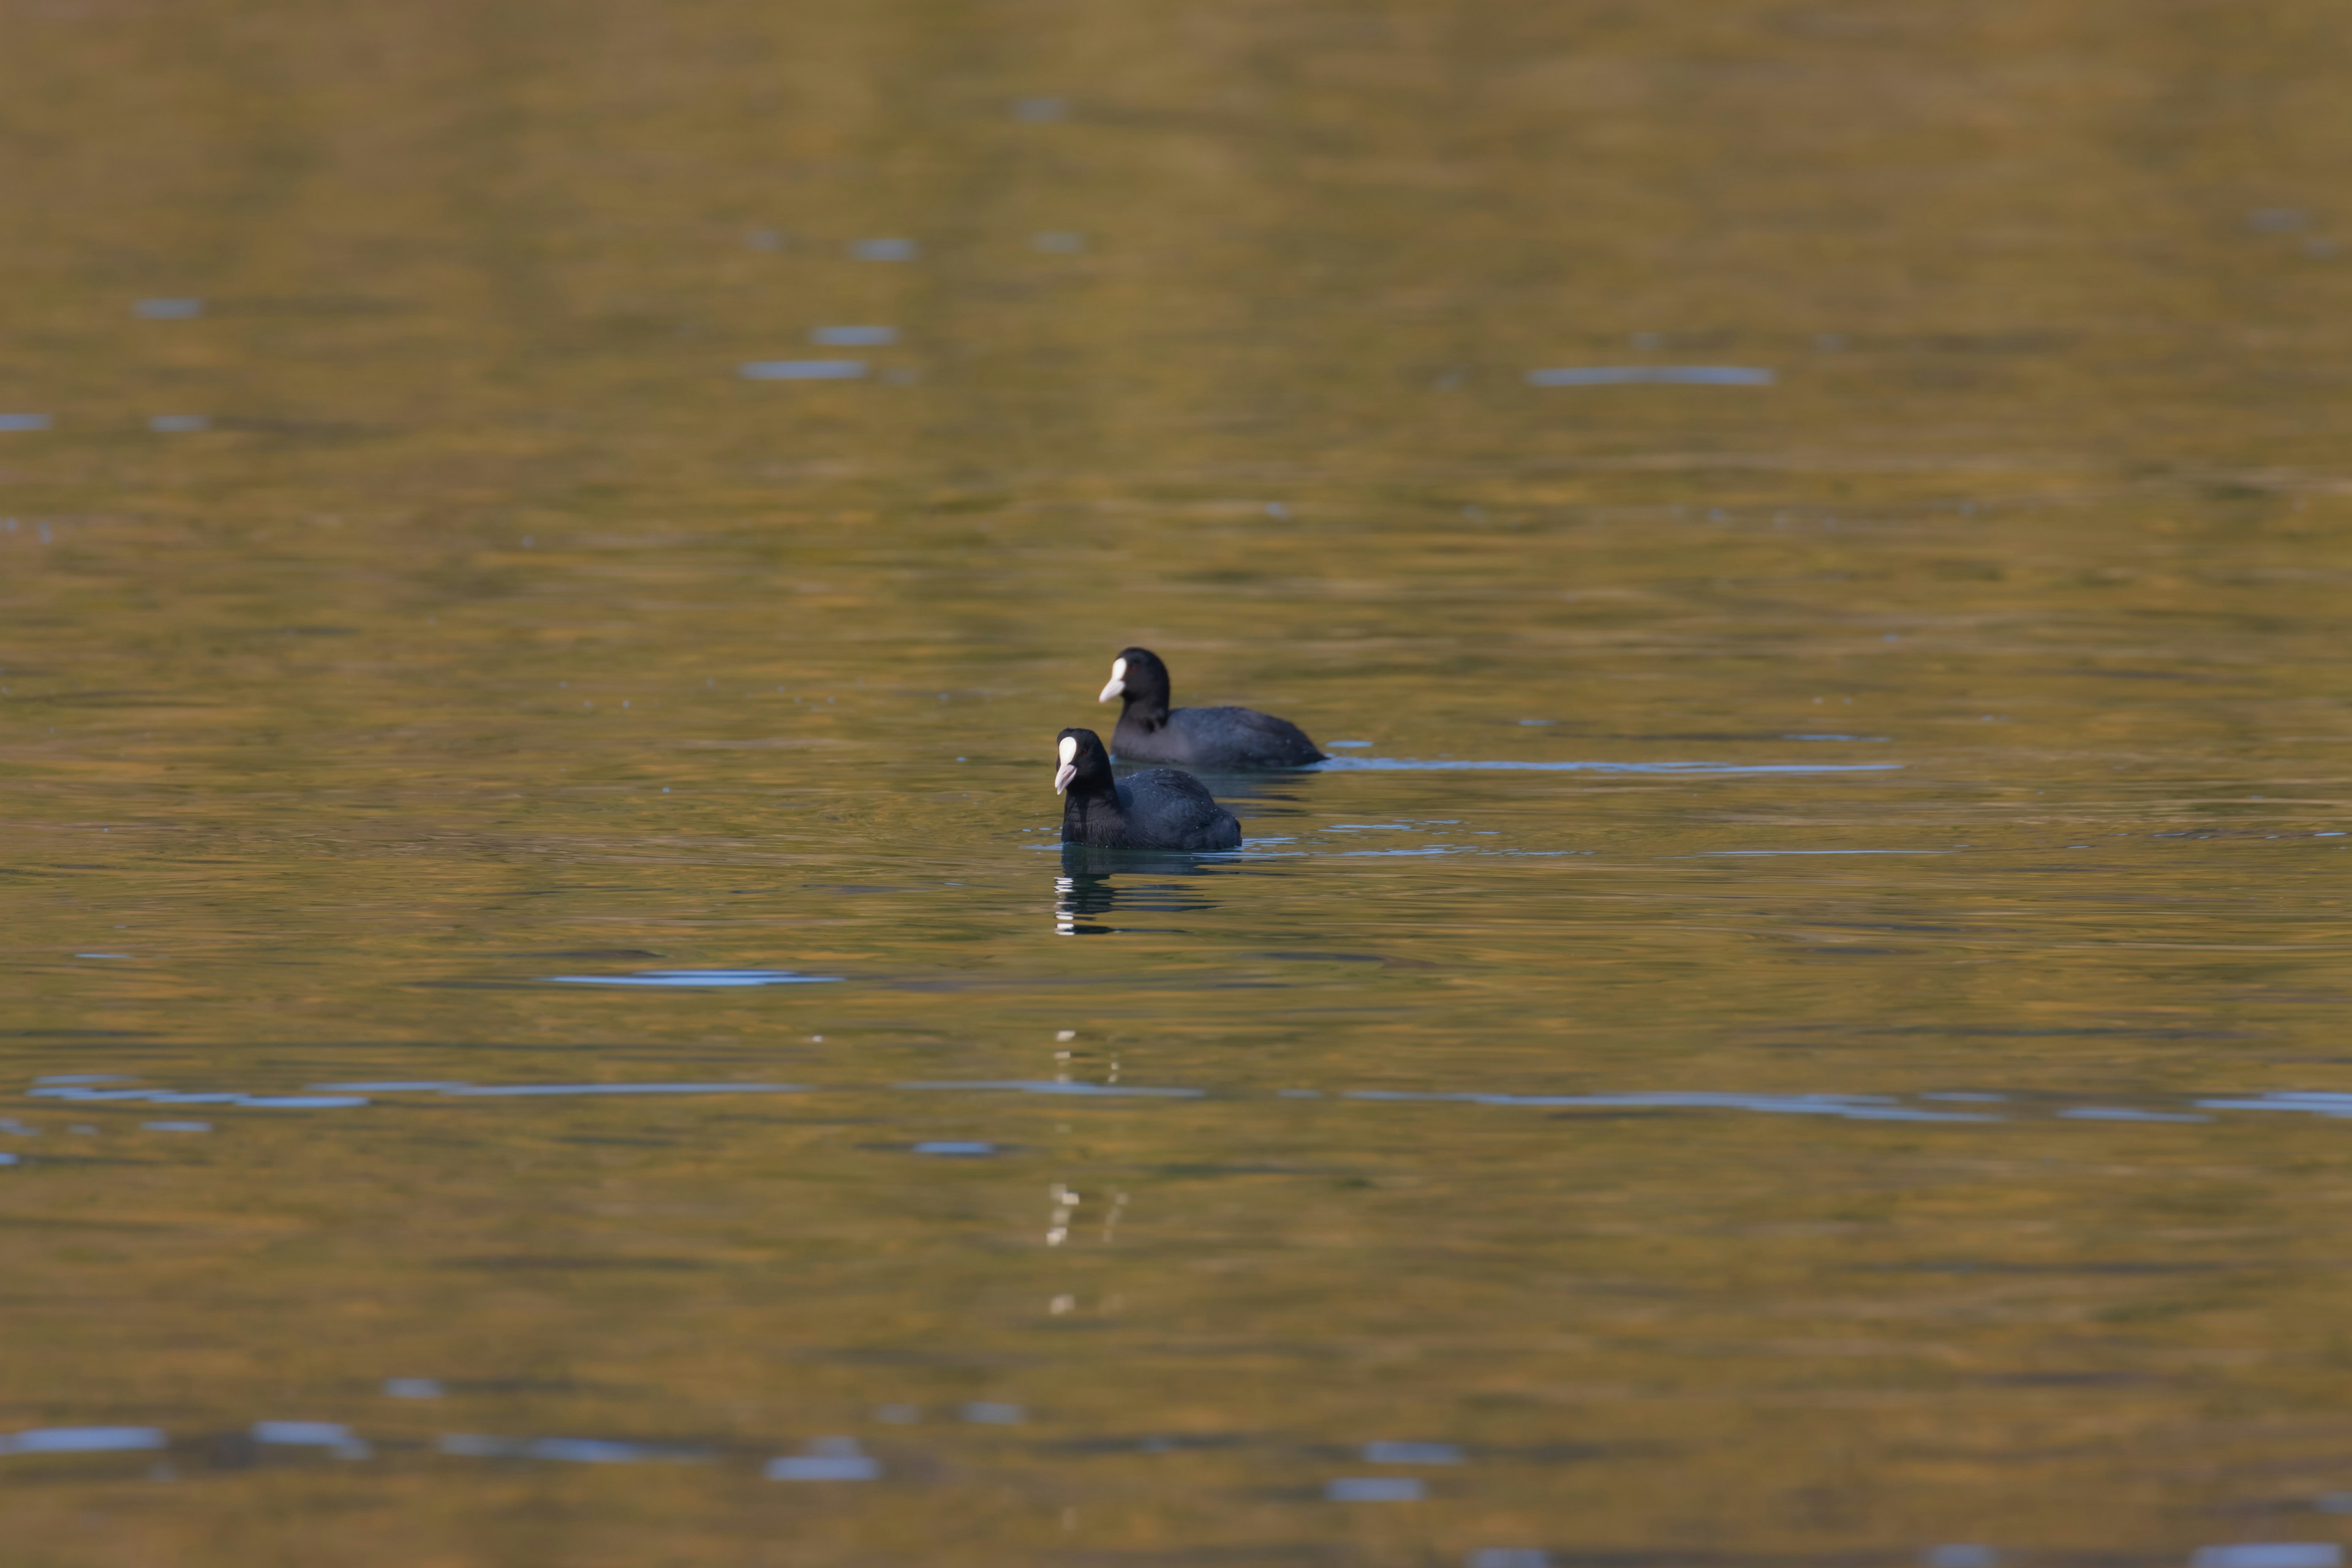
x,y
1216,738
1175,811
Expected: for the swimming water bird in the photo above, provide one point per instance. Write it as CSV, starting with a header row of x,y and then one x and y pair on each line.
x,y
1151,731
1160,808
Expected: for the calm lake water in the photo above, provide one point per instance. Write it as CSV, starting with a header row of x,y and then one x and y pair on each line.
x,y
542,552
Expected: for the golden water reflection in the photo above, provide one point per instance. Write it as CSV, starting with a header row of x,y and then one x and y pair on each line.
x,y
546,1022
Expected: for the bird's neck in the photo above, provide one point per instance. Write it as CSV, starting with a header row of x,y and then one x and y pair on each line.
x,y
1091,809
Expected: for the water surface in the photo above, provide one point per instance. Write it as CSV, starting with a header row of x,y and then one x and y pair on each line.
x,y
545,1018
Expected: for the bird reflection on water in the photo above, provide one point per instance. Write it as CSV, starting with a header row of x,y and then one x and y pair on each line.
x,y
1093,880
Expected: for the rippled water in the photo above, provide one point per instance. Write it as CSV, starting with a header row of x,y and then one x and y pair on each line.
x,y
546,1020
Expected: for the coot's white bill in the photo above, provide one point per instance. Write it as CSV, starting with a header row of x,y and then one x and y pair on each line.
x,y
1118,680
1069,768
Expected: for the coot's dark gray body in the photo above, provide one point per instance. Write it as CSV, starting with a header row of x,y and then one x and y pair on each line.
x,y
1218,739
1213,738
1158,809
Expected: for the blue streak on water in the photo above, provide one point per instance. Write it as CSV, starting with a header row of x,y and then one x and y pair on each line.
x,y
1853,1106
569,1450
2336,1104
1412,1454
178,424
169,309
802,369
312,1434
82,1440
2312,1103
954,1148
885,250
140,1096
523,1090
2270,1554
1762,854
1449,764
23,421
1958,1554
332,1436
340,1096
853,336
826,1459
1043,1086
1375,1489
82,1095
993,1413
824,1467
2124,1114
695,979
1651,376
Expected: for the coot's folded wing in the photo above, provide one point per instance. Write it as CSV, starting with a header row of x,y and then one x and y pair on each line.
x,y
1243,737
1167,809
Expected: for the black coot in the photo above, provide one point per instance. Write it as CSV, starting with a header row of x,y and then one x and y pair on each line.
x,y
1237,738
1157,809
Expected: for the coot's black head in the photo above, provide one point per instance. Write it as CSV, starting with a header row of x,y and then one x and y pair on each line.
x,y
1137,676
1084,766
